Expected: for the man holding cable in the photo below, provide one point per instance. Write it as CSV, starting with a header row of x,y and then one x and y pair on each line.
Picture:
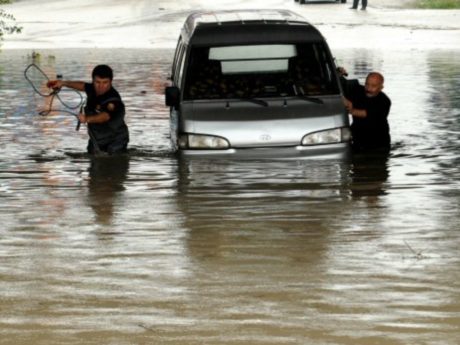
x,y
104,112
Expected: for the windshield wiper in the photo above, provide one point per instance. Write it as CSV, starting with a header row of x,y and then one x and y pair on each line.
x,y
251,100
303,96
311,99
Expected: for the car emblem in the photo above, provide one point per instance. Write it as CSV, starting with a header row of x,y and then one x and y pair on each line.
x,y
265,137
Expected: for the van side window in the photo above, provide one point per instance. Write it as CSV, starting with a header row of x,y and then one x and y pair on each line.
x,y
181,64
176,57
178,65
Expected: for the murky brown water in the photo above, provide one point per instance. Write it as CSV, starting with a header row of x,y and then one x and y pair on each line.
x,y
149,249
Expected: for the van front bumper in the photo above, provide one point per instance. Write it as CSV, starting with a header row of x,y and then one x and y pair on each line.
x,y
329,151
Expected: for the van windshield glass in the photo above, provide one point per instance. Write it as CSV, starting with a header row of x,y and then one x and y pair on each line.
x,y
258,71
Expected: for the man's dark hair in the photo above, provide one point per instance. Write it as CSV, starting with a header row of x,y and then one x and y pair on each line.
x,y
102,71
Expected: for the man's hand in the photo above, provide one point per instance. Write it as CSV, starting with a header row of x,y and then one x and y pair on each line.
x,y
348,105
54,84
82,118
99,118
362,113
342,72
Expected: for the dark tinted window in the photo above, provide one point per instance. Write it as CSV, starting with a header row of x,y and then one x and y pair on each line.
x,y
278,70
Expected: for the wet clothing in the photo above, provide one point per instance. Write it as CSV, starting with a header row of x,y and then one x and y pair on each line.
x,y
373,131
111,136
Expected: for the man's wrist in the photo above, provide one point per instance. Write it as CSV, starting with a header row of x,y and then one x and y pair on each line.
x,y
358,112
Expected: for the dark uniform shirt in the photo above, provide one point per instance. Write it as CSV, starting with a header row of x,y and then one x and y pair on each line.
x,y
111,136
373,131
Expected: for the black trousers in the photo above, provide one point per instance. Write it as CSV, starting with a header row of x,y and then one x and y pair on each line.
x,y
111,148
363,3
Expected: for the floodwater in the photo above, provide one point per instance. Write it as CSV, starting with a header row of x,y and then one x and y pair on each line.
x,y
151,249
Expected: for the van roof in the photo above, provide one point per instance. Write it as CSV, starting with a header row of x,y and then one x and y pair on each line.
x,y
247,26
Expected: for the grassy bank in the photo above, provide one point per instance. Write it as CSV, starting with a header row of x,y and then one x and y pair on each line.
x,y
439,4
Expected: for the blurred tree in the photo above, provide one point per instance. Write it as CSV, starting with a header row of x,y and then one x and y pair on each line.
x,y
6,21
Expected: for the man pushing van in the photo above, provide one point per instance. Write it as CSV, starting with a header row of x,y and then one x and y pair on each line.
x,y
370,108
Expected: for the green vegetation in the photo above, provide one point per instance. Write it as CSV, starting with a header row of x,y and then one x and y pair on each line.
x,y
439,4
7,21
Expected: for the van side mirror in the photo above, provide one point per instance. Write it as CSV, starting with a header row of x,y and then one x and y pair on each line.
x,y
172,96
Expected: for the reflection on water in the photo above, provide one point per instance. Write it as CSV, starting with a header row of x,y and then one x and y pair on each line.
x,y
369,174
106,178
150,248
443,72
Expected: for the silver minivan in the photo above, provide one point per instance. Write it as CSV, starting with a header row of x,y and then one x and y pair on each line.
x,y
255,84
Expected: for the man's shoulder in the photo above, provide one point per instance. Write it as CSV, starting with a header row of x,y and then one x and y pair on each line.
x,y
351,87
383,96
112,101
113,93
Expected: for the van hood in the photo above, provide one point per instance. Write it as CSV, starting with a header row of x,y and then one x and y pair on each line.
x,y
282,122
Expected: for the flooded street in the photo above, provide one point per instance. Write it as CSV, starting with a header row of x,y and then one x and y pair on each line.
x,y
150,248
153,249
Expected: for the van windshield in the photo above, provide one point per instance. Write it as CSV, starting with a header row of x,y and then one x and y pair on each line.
x,y
258,71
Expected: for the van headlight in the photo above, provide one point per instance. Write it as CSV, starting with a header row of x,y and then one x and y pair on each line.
x,y
199,141
330,136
